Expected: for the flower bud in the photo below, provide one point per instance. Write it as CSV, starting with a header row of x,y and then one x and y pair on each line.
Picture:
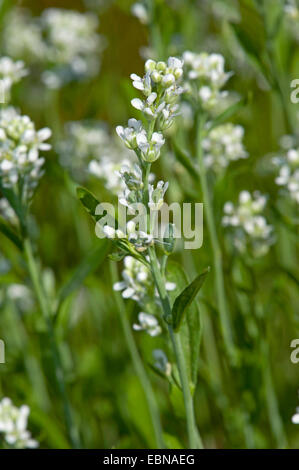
x,y
168,239
168,79
161,66
156,76
150,65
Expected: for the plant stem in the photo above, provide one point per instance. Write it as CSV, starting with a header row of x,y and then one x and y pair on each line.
x,y
193,434
217,255
43,303
138,365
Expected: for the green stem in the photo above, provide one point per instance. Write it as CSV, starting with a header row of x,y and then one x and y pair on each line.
x,y
193,434
138,365
43,303
146,172
217,254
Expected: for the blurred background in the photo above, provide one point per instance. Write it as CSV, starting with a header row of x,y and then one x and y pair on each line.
x,y
252,405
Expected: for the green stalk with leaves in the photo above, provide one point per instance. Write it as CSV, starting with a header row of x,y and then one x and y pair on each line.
x,y
161,91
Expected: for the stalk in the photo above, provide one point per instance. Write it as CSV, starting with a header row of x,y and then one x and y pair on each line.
x,y
194,438
43,303
138,365
217,255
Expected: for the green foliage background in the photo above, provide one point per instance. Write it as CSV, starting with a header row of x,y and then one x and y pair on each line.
x,y
246,406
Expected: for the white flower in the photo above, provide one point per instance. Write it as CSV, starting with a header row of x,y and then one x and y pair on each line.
x,y
250,226
6,210
161,362
150,150
140,11
156,196
160,87
210,76
10,72
13,424
90,143
148,323
136,283
288,176
223,145
20,144
129,134
64,42
295,417
21,295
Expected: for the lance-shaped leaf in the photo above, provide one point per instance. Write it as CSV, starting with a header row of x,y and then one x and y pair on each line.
x,y
229,112
190,331
10,233
184,300
90,263
89,201
185,160
16,204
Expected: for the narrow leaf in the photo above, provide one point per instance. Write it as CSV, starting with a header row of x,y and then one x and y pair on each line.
x,y
229,112
185,160
252,51
190,331
89,264
185,299
10,233
88,200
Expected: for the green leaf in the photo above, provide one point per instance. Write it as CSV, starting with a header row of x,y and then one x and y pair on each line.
x,y
229,112
185,299
253,52
185,160
88,265
190,331
117,256
15,203
10,233
89,202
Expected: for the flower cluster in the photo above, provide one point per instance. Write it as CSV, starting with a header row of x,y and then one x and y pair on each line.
x,y
135,138
10,72
148,323
292,13
13,424
251,230
223,145
20,144
67,40
136,281
205,76
136,237
90,143
23,36
161,89
288,176
137,284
